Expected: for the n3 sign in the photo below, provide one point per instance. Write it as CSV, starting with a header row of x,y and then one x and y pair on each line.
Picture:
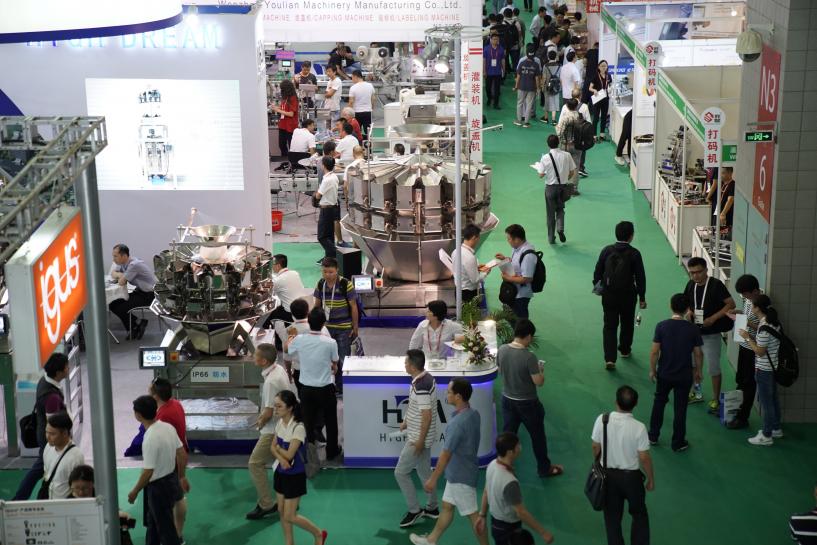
x,y
47,288
767,110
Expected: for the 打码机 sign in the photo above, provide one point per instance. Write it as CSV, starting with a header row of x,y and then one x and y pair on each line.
x,y
47,288
712,120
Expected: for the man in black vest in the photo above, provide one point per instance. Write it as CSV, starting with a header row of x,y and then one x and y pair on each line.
x,y
620,276
49,401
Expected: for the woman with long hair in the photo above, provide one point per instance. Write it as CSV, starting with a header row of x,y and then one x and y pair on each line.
x,y
289,449
600,81
288,110
766,345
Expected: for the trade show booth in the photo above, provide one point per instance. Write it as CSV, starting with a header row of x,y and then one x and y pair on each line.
x,y
681,179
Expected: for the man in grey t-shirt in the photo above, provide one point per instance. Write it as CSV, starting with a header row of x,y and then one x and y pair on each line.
x,y
521,375
503,496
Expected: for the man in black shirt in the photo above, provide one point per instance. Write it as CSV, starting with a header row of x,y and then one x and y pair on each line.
x,y
620,278
711,304
675,342
306,77
804,526
343,58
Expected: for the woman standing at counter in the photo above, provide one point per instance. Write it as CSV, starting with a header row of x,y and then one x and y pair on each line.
x,y
289,115
436,330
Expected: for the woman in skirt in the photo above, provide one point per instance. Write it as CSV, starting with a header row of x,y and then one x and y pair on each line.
x,y
288,447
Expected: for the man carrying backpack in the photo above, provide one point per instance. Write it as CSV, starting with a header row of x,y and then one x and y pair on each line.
x,y
522,269
511,38
620,278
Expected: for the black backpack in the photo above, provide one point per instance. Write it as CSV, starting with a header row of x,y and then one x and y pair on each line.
x,y
510,37
554,85
788,359
618,271
537,283
583,134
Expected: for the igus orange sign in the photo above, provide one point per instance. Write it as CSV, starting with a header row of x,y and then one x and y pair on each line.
x,y
59,286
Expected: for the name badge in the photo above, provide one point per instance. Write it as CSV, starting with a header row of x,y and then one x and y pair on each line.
x,y
493,63
699,316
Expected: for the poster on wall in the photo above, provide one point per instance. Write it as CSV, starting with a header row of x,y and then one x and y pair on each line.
x,y
168,134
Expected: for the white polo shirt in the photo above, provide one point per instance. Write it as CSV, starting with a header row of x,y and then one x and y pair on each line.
x,y
159,449
470,269
58,487
362,92
329,190
333,103
564,162
626,437
275,381
287,286
346,147
571,78
302,141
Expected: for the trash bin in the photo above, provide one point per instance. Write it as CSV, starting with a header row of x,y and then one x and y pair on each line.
x,y
277,220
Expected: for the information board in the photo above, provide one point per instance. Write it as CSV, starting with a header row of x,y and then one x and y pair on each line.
x,y
52,522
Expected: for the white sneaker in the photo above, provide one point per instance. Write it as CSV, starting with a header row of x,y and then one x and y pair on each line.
x,y
419,540
761,440
777,434
620,160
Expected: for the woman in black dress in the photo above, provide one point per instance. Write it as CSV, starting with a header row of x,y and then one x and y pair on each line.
x,y
601,82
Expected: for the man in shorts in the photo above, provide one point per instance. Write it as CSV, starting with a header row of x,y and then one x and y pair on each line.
x,y
459,462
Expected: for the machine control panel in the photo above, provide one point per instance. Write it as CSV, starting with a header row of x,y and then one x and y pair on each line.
x,y
153,357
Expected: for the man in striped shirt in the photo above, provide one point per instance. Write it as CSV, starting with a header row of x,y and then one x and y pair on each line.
x,y
336,295
420,425
748,287
804,526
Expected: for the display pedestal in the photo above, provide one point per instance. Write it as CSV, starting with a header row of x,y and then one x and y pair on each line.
x,y
642,155
673,215
699,249
617,113
376,398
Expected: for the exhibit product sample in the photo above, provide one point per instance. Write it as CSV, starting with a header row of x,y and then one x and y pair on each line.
x,y
401,214
216,286
169,134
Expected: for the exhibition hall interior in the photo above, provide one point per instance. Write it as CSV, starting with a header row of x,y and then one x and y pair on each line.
x,y
429,272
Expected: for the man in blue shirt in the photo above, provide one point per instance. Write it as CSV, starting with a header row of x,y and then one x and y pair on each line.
x,y
521,269
318,357
459,462
493,57
528,82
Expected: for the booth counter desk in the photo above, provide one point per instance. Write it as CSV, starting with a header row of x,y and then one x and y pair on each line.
x,y
376,397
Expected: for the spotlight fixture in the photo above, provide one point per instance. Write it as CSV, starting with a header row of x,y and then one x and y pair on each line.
x,y
443,60
191,18
631,27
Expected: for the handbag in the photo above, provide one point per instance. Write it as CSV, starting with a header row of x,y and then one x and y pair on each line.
x,y
507,293
311,462
357,347
28,429
565,190
42,494
596,486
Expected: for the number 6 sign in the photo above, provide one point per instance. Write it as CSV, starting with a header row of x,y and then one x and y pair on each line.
x,y
767,110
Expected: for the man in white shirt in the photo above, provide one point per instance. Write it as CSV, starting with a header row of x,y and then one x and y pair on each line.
x,y
537,23
557,168
300,311
286,286
334,89
584,111
60,456
361,98
164,462
275,381
347,142
318,356
570,75
303,138
327,196
626,452
472,271
568,131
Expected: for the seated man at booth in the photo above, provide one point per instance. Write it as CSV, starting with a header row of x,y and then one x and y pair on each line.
x,y
348,141
348,114
303,139
136,272
436,330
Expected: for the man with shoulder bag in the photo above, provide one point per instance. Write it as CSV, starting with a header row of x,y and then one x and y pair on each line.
x,y
557,168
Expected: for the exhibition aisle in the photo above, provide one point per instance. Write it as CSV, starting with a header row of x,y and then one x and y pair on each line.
x,y
364,506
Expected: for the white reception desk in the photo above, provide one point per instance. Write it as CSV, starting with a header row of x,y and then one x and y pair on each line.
x,y
376,397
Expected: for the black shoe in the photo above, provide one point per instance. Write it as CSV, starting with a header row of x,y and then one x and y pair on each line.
x,y
140,329
737,424
562,236
319,262
335,456
682,447
431,513
552,240
411,519
653,441
259,513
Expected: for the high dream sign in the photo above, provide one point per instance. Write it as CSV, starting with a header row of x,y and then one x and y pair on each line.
x,y
47,288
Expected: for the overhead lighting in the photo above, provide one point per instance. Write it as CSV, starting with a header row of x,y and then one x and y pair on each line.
x,y
191,18
418,62
734,12
443,65
631,27
430,50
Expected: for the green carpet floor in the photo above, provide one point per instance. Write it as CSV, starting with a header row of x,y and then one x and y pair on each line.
x,y
721,491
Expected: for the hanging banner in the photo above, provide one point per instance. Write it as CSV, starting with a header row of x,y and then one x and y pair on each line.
x,y
472,95
767,112
653,51
712,120
46,281
592,6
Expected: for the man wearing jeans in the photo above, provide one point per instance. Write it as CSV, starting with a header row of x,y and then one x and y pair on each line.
x,y
528,82
420,425
711,304
521,375
521,269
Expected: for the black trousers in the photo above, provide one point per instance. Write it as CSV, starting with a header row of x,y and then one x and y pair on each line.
x,y
467,295
531,414
493,89
160,496
599,113
626,135
320,408
502,531
745,380
528,5
619,310
326,230
365,120
279,314
284,140
120,307
626,485
680,390
513,60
